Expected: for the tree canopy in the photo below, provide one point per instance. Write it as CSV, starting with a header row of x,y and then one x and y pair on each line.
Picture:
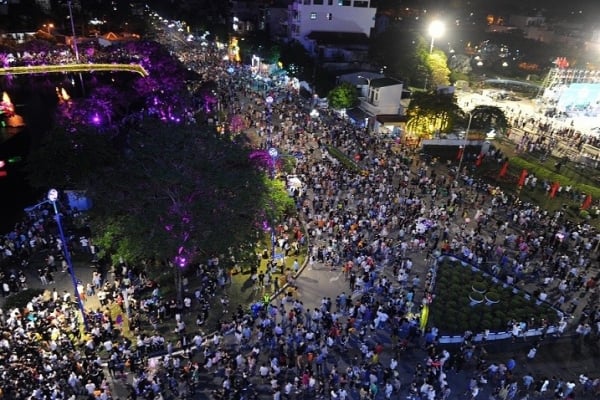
x,y
487,117
431,112
439,73
343,96
173,191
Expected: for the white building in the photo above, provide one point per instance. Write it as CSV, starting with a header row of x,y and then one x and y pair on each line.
x,y
382,106
339,16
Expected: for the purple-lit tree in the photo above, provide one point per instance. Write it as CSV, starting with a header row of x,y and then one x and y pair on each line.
x,y
237,124
176,196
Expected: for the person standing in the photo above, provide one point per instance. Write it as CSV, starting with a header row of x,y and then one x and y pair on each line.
x,y
528,380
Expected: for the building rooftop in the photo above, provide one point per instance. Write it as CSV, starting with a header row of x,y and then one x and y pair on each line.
x,y
385,81
339,38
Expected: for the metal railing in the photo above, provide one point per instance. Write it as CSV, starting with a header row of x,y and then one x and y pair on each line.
x,y
41,69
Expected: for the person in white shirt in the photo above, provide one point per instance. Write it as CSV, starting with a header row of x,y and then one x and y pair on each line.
x,y
90,387
264,371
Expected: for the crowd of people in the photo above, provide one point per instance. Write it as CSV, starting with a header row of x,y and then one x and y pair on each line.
x,y
366,224
368,342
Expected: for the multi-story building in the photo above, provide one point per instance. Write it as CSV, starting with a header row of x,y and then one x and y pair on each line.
x,y
382,102
331,28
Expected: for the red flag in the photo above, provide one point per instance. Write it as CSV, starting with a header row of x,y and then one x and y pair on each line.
x,y
504,170
479,159
587,202
554,189
522,177
460,153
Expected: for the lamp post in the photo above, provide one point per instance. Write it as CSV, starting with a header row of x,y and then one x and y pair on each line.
x,y
74,38
436,30
462,155
273,153
51,198
368,82
368,90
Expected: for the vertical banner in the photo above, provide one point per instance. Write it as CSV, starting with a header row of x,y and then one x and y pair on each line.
x,y
479,159
522,178
587,202
503,170
554,189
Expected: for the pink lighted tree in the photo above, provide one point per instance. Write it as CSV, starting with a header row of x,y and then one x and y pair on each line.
x,y
237,124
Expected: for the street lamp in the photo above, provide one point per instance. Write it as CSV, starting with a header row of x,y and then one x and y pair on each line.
x,y
51,198
273,153
462,155
75,48
436,30
366,79
368,83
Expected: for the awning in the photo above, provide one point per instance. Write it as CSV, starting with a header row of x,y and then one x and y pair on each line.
x,y
391,119
357,114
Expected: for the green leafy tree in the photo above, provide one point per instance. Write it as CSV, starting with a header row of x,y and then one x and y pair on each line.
x,y
171,192
431,112
405,55
487,117
297,61
343,96
439,73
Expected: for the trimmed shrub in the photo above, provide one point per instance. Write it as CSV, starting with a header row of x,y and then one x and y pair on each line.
x,y
19,300
344,159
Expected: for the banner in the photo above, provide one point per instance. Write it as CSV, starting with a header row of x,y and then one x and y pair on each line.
x,y
479,159
587,202
522,177
503,170
554,189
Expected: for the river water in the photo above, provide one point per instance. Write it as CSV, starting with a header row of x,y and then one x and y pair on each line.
x,y
15,193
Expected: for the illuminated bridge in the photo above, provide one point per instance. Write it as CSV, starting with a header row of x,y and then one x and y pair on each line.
x,y
45,69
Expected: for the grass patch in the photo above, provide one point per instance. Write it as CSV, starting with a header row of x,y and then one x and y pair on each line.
x,y
569,203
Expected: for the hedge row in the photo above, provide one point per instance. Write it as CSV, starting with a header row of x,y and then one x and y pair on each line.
x,y
346,161
544,173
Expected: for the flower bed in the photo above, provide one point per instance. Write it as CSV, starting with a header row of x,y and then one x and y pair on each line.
x,y
457,305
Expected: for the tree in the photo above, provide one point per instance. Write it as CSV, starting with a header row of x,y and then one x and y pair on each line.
x,y
460,67
296,60
343,96
170,192
431,112
487,117
439,73
405,55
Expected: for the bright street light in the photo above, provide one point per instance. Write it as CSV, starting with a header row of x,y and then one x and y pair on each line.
x,y
436,30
